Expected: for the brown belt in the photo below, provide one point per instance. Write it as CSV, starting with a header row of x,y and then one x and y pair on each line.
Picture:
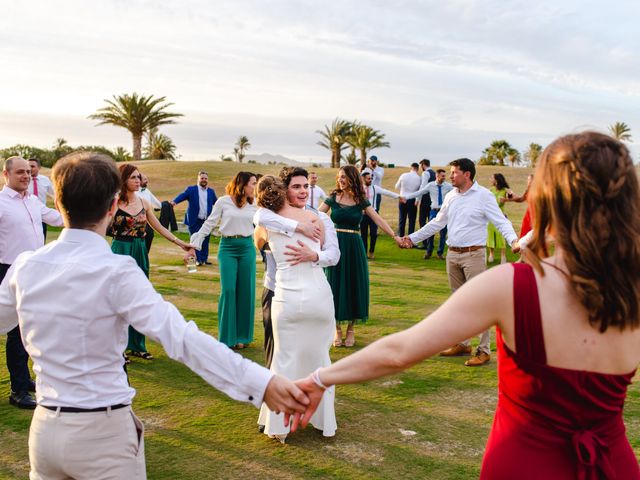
x,y
466,249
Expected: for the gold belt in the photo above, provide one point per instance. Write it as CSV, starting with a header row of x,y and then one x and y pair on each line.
x,y
346,230
236,236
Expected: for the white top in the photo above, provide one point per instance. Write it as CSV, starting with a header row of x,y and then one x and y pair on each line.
x,y
408,183
226,219
376,176
202,202
316,194
75,335
149,197
466,215
431,189
21,220
330,253
45,187
372,193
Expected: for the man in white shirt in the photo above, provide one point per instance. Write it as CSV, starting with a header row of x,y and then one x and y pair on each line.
x,y
21,218
146,194
467,210
74,300
408,183
316,193
377,173
435,192
40,186
369,228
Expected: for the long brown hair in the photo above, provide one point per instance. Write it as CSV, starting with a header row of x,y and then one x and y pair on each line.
x,y
354,184
126,170
585,192
235,188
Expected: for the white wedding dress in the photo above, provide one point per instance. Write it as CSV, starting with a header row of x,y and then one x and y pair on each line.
x,y
303,321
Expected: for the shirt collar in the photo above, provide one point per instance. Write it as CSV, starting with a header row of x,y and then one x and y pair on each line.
x,y
473,188
87,237
12,193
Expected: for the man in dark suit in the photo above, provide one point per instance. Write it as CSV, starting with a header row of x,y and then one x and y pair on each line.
x,y
428,175
201,199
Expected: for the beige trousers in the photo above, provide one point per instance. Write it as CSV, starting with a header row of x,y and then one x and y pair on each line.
x,y
89,445
462,267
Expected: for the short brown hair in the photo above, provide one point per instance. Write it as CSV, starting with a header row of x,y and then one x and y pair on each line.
x,y
235,188
287,173
85,184
271,193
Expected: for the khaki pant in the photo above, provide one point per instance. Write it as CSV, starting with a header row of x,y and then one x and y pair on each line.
x,y
462,267
88,445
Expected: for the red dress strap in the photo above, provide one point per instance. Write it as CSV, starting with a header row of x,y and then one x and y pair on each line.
x,y
527,318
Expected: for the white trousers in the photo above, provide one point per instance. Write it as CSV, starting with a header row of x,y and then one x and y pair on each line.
x,y
89,445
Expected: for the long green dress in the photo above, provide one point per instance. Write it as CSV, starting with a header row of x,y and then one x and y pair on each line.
x,y
128,232
349,279
494,237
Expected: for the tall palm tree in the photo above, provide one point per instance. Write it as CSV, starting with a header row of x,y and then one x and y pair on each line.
x,y
620,131
497,151
137,113
120,154
514,157
364,139
334,139
533,153
159,146
242,144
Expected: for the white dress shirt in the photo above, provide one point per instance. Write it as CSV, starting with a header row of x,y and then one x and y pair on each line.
x,y
45,188
21,218
373,191
431,188
315,195
74,300
466,215
202,202
149,197
376,176
226,220
330,253
408,183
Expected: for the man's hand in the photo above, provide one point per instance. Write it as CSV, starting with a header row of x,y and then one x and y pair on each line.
x,y
282,396
300,253
314,394
515,247
172,203
404,242
402,199
310,229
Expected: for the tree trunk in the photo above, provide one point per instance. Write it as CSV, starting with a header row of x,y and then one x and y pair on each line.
x,y
137,147
363,157
335,158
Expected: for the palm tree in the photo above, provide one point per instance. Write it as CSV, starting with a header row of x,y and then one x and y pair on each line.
x,y
225,158
533,153
241,145
334,139
120,154
496,152
620,131
364,139
514,157
138,114
159,146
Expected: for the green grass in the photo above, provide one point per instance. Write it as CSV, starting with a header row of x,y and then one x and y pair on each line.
x,y
195,432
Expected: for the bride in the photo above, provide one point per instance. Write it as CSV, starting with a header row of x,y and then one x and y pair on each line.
x,y
302,311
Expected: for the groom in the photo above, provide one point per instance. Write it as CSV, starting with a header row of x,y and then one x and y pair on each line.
x,y
297,183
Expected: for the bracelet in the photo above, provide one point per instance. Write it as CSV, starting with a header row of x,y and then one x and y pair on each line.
x,y
174,239
315,376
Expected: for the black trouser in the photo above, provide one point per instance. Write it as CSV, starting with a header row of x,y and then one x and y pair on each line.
x,y
407,209
148,239
368,228
17,357
267,296
44,231
423,214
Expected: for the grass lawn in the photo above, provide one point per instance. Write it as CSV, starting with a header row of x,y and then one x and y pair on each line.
x,y
429,422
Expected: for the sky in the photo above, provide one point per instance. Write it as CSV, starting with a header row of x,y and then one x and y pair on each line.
x,y
440,79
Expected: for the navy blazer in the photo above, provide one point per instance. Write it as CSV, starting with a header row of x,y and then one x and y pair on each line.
x,y
191,195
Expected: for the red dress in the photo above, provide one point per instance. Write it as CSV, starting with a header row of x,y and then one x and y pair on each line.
x,y
553,423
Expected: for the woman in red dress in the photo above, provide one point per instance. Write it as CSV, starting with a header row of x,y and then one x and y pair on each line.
x,y
568,324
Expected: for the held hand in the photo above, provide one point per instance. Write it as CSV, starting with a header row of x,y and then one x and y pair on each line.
x,y
282,396
402,200
300,253
398,241
189,255
310,229
515,247
314,394
406,242
172,203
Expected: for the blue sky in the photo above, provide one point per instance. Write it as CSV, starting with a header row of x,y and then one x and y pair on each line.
x,y
441,79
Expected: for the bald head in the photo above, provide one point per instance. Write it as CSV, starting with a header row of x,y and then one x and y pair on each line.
x,y
17,174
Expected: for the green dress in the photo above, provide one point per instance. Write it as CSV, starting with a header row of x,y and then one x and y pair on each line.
x,y
494,237
349,279
128,232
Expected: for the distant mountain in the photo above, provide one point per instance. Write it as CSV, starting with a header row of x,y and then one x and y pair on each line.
x,y
266,158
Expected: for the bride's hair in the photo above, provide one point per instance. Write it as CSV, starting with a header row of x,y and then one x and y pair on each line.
x,y
271,193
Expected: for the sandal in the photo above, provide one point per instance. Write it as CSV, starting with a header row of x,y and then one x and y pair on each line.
x,y
143,355
350,341
337,342
127,361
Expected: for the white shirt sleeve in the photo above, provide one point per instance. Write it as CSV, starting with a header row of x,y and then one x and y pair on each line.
x,y
432,227
388,193
399,182
143,308
525,239
423,189
50,216
497,217
330,254
155,203
210,224
8,303
276,223
50,191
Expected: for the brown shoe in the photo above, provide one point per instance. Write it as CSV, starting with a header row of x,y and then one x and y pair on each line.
x,y
427,255
370,256
480,358
458,350
440,257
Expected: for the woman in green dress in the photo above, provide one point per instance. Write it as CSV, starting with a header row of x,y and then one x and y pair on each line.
x,y
495,240
129,230
349,279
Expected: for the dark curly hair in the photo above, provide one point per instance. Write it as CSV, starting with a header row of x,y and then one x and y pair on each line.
x,y
354,184
287,173
271,193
